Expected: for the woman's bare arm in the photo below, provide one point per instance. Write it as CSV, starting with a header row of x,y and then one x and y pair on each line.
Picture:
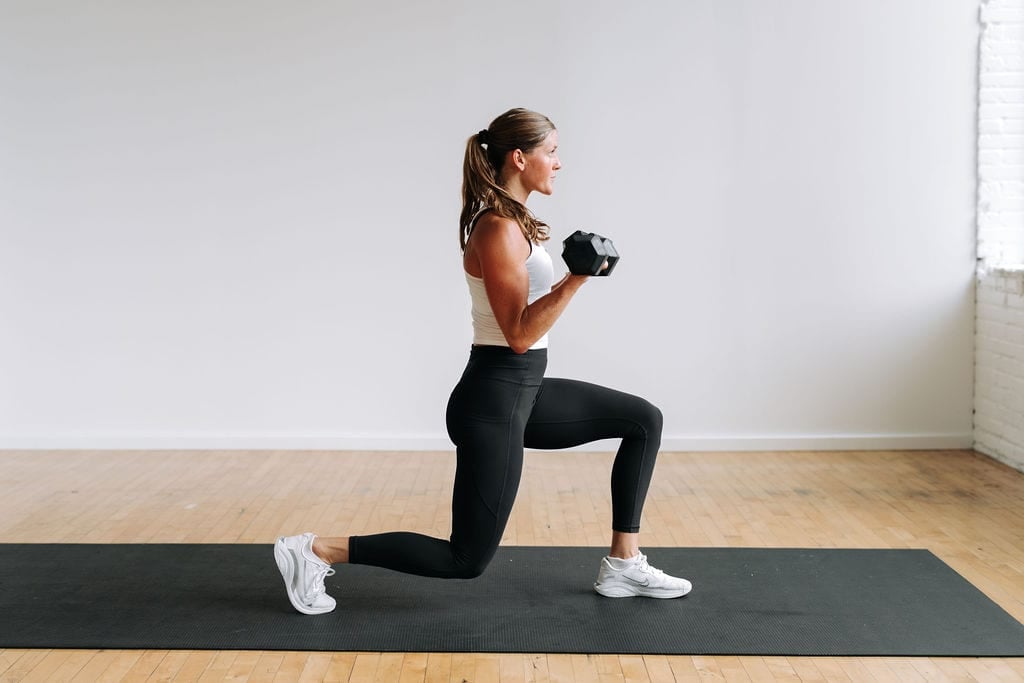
x,y
497,246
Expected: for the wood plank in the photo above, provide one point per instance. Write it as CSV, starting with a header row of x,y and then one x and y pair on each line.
x,y
48,665
8,658
23,665
414,668
340,669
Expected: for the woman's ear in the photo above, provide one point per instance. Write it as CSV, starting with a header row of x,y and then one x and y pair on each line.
x,y
519,159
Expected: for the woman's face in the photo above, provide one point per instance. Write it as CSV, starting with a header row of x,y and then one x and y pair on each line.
x,y
541,163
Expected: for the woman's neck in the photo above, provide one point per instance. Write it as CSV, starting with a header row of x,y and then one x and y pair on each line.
x,y
516,189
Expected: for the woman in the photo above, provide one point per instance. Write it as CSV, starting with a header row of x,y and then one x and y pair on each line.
x,y
503,402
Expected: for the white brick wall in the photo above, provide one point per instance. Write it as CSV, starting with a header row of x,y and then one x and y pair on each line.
x,y
999,335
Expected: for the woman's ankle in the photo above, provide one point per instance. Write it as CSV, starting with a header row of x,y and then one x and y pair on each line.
x,y
331,550
625,545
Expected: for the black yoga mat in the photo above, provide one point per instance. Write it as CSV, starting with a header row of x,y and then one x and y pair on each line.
x,y
531,599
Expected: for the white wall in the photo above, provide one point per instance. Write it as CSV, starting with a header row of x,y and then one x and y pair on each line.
x,y
999,329
234,224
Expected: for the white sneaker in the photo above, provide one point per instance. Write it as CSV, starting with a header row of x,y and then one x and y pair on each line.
x,y
304,574
638,579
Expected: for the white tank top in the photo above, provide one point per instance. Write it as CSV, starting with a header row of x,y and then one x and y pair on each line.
x,y
485,326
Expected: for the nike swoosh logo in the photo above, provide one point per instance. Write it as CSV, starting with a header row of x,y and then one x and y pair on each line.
x,y
643,584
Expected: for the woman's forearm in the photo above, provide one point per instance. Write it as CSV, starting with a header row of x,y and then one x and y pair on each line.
x,y
540,316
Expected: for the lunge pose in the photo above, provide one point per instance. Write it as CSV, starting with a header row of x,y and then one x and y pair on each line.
x,y
503,402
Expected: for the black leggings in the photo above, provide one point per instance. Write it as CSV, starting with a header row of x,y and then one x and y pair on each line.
x,y
502,404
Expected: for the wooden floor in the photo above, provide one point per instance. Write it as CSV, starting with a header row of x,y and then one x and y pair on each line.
x,y
965,508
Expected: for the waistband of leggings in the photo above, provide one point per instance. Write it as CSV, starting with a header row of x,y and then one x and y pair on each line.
x,y
487,351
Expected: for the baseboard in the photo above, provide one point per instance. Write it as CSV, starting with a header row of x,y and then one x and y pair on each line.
x,y
435,442
228,442
821,442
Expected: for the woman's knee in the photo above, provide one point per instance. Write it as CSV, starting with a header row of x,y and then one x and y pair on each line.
x,y
649,417
472,565
470,571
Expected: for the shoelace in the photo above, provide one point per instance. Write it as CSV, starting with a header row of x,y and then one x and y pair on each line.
x,y
322,572
644,567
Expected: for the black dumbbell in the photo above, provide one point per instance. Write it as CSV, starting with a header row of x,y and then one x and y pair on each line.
x,y
585,253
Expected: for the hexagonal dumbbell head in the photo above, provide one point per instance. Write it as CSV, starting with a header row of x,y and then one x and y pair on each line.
x,y
586,252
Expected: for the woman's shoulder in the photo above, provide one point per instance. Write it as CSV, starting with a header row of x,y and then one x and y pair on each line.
x,y
493,230
492,225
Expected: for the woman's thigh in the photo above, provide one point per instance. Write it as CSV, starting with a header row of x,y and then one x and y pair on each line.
x,y
569,413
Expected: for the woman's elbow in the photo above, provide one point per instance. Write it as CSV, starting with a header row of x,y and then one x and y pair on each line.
x,y
519,343
517,338
519,347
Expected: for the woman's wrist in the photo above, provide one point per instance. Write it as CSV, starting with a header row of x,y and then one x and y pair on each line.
x,y
576,280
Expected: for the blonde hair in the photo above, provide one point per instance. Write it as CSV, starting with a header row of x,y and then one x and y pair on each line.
x,y
485,153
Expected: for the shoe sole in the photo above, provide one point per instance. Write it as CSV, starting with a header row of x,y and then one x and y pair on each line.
x,y
288,569
621,591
